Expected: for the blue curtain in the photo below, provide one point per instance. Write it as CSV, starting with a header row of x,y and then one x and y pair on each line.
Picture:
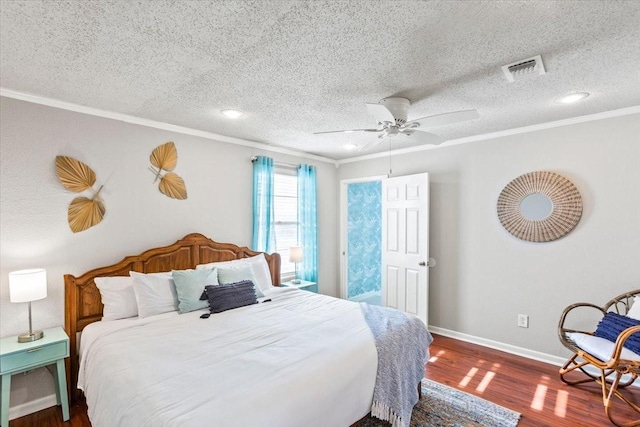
x,y
263,239
308,222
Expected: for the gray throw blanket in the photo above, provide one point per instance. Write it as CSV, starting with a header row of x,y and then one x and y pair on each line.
x,y
402,343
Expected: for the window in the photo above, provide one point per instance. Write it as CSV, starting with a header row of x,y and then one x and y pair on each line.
x,y
285,215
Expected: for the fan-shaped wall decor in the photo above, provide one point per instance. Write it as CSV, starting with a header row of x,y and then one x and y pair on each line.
x,y
83,213
165,157
539,206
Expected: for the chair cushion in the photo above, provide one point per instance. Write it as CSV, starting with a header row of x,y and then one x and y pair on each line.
x,y
613,324
600,347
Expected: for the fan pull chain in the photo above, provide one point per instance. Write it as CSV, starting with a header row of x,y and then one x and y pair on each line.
x,y
390,170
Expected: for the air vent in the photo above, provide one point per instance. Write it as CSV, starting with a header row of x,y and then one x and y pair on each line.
x,y
523,69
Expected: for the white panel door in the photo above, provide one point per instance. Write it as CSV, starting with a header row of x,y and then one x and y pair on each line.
x,y
405,244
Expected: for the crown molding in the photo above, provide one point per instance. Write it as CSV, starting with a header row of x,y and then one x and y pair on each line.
x,y
515,131
262,146
156,124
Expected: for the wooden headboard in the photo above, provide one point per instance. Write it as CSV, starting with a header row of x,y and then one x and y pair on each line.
x,y
82,298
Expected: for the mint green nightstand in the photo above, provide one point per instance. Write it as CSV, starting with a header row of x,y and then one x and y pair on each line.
x,y
18,357
307,286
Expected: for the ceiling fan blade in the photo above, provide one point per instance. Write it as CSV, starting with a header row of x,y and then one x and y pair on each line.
x,y
424,138
367,145
349,130
443,119
380,113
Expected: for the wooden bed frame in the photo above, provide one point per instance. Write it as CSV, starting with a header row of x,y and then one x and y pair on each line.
x,y
83,304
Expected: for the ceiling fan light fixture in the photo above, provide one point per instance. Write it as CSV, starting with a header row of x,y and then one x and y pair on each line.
x,y
231,113
391,115
572,97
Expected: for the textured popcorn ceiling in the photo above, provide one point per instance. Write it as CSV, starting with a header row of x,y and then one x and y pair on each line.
x,y
295,67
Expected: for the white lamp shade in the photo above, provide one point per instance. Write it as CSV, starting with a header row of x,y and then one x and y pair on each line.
x,y
295,254
28,285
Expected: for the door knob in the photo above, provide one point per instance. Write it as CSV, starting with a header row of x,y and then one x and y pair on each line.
x,y
422,263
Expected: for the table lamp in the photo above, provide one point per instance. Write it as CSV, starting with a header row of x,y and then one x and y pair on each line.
x,y
295,256
26,286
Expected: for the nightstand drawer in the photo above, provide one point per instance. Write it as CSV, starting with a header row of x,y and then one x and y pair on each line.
x,y
33,356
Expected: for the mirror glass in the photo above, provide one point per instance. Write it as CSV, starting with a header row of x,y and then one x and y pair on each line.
x,y
536,207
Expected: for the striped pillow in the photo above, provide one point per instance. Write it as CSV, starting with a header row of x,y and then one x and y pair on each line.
x,y
233,295
612,325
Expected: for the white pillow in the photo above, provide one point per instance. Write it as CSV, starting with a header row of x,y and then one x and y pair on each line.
x,y
261,271
238,273
117,296
259,265
634,311
155,293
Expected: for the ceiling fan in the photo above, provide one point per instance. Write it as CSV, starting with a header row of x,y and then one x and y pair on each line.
x,y
391,117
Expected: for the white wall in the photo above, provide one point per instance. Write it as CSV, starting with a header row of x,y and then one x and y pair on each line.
x,y
33,204
484,276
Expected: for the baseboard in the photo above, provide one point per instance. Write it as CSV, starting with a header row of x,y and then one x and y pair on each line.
x,y
496,345
32,406
512,349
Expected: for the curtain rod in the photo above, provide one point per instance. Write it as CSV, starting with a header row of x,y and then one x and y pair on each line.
x,y
286,165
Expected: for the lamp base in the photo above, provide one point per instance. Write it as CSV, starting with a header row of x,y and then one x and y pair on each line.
x,y
36,335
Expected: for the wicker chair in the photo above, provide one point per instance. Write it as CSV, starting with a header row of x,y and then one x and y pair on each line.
x,y
611,363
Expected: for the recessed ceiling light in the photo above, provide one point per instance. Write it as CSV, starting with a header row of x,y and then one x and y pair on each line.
x,y
350,146
231,114
571,98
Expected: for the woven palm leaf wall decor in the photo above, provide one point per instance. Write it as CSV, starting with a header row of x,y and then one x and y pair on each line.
x,y
564,206
165,158
83,212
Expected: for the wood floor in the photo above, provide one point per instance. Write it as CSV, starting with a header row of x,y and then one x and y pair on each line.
x,y
526,386
532,388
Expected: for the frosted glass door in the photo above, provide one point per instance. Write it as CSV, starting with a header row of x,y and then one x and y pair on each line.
x,y
364,239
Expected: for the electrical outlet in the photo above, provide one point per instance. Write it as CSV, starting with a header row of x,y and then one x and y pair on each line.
x,y
523,320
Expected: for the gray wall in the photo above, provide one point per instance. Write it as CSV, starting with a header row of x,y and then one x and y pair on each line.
x,y
484,276
33,204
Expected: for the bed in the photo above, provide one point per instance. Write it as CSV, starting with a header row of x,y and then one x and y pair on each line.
x,y
294,358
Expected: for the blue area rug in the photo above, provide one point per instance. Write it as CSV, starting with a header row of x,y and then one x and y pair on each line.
x,y
444,406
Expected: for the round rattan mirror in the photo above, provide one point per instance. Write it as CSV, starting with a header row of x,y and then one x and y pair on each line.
x,y
539,206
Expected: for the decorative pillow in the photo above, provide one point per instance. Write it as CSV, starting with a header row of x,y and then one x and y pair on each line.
x,y
634,311
229,296
239,273
259,265
155,293
190,285
117,296
612,324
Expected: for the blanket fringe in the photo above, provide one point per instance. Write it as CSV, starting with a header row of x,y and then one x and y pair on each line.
x,y
385,413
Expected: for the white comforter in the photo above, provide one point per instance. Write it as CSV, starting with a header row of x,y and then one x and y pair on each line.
x,y
300,360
